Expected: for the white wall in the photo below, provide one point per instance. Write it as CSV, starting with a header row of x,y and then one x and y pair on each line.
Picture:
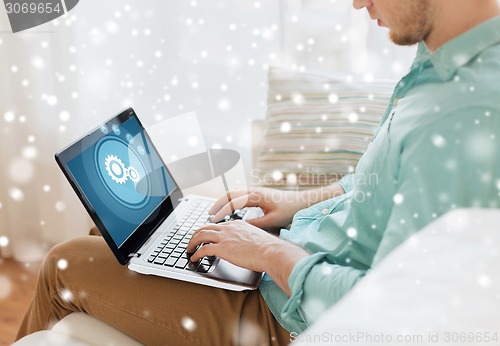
x,y
330,35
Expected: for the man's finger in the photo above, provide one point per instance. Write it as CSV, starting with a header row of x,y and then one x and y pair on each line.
x,y
222,201
237,203
204,236
211,226
204,251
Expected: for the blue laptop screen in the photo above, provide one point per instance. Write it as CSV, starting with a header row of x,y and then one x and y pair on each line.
x,y
122,177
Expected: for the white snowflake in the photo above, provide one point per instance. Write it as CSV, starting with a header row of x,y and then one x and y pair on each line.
x,y
352,232
9,117
64,116
484,280
62,264
188,323
16,194
277,175
438,141
60,206
333,98
285,127
66,295
353,117
4,240
398,198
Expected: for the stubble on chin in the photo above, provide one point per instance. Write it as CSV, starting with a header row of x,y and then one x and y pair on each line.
x,y
415,25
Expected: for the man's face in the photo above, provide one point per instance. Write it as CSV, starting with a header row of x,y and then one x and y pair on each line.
x,y
409,21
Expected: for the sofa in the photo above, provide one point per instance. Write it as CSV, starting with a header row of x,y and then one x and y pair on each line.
x,y
439,287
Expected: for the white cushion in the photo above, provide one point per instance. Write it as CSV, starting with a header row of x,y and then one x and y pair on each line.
x,y
49,338
79,329
442,287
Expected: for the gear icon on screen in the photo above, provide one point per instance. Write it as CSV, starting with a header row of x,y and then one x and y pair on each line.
x,y
133,174
116,169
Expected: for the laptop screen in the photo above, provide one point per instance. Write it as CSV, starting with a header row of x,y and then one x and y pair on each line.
x,y
121,177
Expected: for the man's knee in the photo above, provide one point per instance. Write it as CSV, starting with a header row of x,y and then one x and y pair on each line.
x,y
62,256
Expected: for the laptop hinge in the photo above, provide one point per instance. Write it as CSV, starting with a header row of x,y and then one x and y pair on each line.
x,y
134,254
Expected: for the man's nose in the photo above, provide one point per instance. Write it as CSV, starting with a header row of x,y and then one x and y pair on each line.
x,y
359,4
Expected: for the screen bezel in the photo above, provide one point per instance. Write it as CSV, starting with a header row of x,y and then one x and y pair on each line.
x,y
144,231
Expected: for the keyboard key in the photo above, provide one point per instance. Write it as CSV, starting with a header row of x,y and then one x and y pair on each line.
x,y
165,253
202,268
170,261
206,262
159,261
181,263
176,254
191,266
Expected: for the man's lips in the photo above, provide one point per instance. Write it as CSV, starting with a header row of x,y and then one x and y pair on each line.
x,y
379,21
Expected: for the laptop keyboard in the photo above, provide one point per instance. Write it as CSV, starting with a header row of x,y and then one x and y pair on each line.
x,y
172,250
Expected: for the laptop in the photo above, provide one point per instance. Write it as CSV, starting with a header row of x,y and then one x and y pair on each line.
x,y
129,193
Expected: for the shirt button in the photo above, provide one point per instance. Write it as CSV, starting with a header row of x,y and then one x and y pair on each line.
x,y
395,102
325,212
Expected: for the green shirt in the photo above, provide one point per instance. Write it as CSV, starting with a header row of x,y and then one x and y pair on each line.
x,y
437,149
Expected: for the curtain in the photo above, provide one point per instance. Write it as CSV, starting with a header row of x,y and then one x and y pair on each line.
x,y
41,112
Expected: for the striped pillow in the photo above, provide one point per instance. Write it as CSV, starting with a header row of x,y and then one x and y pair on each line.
x,y
317,127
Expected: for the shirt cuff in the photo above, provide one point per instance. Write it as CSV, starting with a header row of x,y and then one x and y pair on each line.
x,y
291,310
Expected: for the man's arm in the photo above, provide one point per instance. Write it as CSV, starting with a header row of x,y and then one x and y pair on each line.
x,y
313,282
279,206
249,247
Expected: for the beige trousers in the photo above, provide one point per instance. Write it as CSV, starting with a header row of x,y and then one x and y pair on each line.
x,y
83,275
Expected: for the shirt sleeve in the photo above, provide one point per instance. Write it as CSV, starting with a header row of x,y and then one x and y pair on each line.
x,y
316,283
347,182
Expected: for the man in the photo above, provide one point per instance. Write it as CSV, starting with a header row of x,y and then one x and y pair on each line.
x,y
434,151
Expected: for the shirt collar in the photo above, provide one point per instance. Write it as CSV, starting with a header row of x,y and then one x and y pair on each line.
x,y
459,51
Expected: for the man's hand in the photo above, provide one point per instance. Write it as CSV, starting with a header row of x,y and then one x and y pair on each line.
x,y
249,247
278,206
237,242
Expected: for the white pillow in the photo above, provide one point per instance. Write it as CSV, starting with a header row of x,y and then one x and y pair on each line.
x,y
441,287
